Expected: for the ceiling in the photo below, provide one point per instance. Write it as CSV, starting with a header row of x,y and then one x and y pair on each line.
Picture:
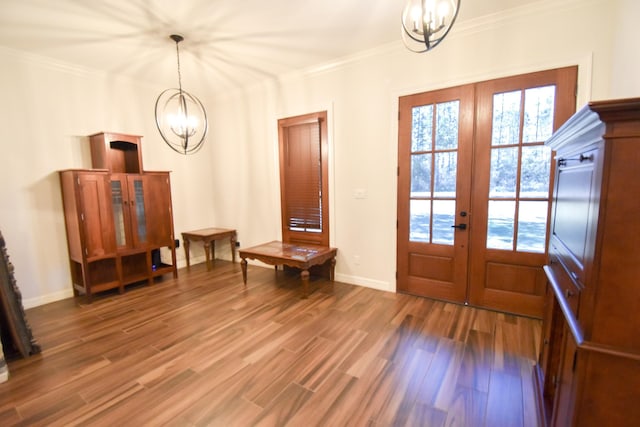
x,y
228,43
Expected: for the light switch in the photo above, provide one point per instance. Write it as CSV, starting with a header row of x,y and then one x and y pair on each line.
x,y
360,193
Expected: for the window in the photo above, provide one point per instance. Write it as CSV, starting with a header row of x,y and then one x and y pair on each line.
x,y
520,169
304,179
434,168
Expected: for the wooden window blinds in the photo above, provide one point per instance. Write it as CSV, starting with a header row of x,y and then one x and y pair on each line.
x,y
303,178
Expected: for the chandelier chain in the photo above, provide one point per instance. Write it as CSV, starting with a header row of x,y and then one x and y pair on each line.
x,y
178,57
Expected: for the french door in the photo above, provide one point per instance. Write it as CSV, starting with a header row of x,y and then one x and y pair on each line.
x,y
473,189
434,189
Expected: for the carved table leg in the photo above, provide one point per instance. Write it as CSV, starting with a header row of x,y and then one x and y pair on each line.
x,y
243,264
233,247
333,269
207,254
305,283
186,251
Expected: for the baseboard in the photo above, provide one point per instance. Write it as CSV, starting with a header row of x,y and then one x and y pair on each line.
x,y
345,278
363,281
46,299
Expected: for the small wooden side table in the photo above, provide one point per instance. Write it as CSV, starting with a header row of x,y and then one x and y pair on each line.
x,y
207,236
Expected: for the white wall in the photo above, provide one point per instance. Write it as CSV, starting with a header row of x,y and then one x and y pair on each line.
x,y
48,109
233,182
361,94
625,81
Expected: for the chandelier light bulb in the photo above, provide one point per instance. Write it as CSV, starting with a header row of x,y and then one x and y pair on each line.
x,y
443,9
425,23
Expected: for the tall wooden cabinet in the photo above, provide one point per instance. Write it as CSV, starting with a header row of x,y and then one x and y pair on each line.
x,y
589,366
118,218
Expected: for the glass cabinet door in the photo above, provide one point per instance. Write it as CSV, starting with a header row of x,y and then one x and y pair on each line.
x,y
129,211
140,225
117,202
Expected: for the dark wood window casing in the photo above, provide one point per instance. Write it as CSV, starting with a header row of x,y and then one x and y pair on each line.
x,y
304,179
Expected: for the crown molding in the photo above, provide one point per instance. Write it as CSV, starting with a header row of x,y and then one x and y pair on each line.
x,y
461,29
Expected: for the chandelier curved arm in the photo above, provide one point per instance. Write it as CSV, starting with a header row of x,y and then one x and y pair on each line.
x,y
180,116
423,23
181,120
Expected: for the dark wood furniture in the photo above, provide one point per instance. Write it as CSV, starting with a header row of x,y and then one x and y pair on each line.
x,y
589,365
208,236
118,218
298,256
15,331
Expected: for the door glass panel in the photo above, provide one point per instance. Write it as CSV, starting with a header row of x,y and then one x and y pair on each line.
x,y
140,216
536,170
532,226
500,225
446,169
538,113
506,118
441,160
447,125
420,175
118,213
504,172
422,128
444,212
420,215
520,172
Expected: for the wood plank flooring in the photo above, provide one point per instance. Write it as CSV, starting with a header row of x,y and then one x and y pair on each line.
x,y
204,350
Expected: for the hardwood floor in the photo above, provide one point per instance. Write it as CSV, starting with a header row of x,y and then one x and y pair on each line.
x,y
203,350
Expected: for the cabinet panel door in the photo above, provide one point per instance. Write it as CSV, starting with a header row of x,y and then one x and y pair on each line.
x,y
120,215
575,210
159,212
129,210
96,215
137,209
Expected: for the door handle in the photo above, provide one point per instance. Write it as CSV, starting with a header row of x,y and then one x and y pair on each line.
x,y
460,226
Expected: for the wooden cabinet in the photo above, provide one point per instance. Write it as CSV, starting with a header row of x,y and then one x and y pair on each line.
x,y
116,152
118,218
589,366
159,225
90,236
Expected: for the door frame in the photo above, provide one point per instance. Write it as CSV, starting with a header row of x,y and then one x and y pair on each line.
x,y
533,307
292,236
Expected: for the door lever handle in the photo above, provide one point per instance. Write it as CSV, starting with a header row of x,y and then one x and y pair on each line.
x,y
460,226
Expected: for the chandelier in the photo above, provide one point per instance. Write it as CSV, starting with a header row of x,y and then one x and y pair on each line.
x,y
180,116
425,23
